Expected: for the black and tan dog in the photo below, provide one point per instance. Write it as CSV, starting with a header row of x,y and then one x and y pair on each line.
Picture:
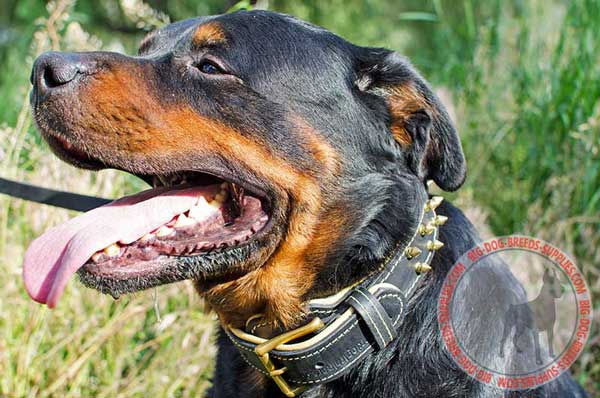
x,y
290,171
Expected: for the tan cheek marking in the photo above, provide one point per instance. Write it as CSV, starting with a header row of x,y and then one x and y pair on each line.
x,y
137,124
278,287
119,112
208,34
281,283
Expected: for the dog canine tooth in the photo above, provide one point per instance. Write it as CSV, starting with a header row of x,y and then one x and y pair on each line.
x,y
96,257
164,231
112,250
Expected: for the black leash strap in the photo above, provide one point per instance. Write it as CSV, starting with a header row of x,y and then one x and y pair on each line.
x,y
66,200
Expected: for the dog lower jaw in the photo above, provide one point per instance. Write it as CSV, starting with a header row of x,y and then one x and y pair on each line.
x,y
209,268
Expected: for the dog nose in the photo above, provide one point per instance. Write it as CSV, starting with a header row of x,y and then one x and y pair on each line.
x,y
53,70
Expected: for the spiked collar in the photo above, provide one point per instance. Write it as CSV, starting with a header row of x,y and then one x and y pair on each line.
x,y
347,326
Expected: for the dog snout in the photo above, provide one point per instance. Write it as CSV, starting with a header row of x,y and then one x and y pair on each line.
x,y
54,70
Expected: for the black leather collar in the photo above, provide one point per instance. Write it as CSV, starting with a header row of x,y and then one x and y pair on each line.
x,y
348,326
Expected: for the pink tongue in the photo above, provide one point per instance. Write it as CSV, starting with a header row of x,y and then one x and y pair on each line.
x,y
55,256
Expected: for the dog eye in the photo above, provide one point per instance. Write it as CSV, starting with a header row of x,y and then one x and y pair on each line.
x,y
209,68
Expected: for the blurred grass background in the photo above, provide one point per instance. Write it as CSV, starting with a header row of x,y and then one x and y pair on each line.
x,y
522,79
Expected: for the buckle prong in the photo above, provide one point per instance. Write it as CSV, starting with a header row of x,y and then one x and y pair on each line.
x,y
262,351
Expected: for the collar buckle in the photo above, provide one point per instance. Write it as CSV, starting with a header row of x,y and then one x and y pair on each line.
x,y
262,352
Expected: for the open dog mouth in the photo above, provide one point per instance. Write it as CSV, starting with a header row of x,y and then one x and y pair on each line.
x,y
139,241
222,216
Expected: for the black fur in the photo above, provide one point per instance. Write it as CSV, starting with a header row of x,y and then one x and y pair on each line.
x,y
292,69
381,193
416,364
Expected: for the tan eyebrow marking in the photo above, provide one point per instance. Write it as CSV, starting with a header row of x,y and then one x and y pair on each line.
x,y
208,34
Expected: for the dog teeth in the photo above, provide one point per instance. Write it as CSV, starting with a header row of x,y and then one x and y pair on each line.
x,y
184,221
96,257
221,197
164,181
223,194
202,210
197,213
164,231
112,250
216,205
146,237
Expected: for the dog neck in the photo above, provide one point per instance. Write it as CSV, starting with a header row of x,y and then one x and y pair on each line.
x,y
348,326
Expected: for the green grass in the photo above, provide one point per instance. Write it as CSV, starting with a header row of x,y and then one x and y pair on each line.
x,y
525,78
521,78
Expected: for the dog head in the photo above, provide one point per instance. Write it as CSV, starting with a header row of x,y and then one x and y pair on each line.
x,y
307,154
552,284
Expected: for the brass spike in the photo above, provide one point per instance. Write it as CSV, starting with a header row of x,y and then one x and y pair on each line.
x,y
412,252
422,268
434,245
426,229
440,220
433,203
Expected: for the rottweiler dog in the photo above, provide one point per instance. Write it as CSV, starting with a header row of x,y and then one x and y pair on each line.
x,y
287,165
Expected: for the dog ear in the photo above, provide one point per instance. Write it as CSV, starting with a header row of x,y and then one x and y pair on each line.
x,y
417,119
